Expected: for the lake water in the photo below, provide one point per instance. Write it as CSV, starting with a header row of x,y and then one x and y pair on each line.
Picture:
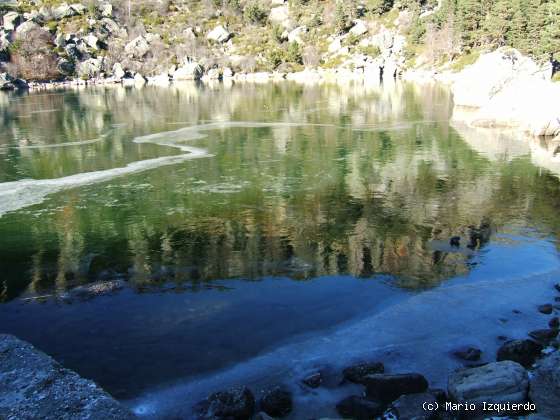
x,y
264,231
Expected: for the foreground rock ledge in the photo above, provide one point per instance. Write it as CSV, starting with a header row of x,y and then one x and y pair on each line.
x,y
33,385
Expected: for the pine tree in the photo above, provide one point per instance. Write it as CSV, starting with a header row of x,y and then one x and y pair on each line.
x,y
471,13
498,22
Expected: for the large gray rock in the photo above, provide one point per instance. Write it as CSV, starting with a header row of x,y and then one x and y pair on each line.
x,y
219,34
11,20
280,16
359,28
66,67
498,382
118,71
90,68
63,11
297,34
78,8
508,90
545,386
524,352
106,9
478,83
33,386
138,47
528,103
235,403
4,46
8,82
190,70
27,27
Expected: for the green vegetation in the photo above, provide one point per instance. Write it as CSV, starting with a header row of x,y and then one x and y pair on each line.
x,y
437,32
531,26
464,61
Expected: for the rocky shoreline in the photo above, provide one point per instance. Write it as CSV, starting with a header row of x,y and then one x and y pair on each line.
x,y
524,380
33,385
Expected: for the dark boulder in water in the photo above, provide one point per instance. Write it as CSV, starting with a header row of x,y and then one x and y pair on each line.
x,y
236,403
455,241
356,373
277,402
544,336
479,236
359,408
524,352
387,388
554,323
545,309
470,354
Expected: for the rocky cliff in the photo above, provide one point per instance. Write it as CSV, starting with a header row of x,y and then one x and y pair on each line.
x,y
159,41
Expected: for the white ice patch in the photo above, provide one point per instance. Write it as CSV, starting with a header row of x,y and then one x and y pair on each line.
x,y
19,194
417,334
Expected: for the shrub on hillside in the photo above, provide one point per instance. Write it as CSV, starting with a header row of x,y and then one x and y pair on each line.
x,y
33,57
255,13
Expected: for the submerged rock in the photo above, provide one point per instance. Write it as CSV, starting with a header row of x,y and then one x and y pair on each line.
x,y
34,386
387,388
545,386
357,373
554,323
524,352
93,290
277,402
411,406
544,336
314,380
359,408
236,403
545,309
504,381
470,354
455,241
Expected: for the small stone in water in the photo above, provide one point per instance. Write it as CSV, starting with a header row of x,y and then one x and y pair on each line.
x,y
545,309
277,402
554,323
314,380
524,352
544,336
470,354
455,241
356,373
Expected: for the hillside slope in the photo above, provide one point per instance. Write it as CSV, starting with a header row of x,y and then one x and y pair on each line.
x,y
43,40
